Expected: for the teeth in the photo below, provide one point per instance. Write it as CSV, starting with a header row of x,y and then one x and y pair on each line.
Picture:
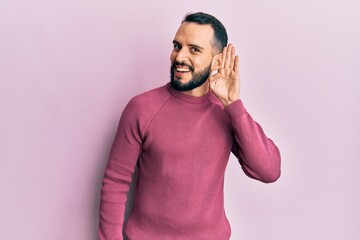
x,y
182,70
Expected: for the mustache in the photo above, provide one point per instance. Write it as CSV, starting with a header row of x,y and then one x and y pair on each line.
x,y
175,64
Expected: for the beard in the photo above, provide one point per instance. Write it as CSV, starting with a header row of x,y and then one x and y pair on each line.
x,y
198,78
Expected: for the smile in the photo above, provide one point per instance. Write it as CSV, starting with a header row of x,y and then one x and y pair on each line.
x,y
183,70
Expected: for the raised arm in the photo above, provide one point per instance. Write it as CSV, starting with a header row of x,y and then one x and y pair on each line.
x,y
257,154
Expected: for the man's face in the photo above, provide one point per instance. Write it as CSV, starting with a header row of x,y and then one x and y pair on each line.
x,y
191,56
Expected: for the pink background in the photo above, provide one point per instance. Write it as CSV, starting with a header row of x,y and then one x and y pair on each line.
x,y
67,69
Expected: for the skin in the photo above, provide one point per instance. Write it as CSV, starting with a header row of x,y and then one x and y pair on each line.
x,y
193,46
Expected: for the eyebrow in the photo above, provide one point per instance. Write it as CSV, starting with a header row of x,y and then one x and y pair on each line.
x,y
191,45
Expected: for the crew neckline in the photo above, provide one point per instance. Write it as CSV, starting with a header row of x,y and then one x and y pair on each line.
x,y
188,98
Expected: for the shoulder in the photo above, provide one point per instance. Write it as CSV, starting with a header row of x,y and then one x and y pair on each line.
x,y
216,102
149,100
142,108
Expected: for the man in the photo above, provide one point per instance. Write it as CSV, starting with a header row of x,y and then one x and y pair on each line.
x,y
181,136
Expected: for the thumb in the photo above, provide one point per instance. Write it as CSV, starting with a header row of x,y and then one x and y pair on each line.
x,y
212,81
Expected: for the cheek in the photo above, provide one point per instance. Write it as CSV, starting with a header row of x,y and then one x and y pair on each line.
x,y
197,64
172,56
203,63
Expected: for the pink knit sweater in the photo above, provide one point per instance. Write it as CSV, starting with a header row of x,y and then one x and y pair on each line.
x,y
181,145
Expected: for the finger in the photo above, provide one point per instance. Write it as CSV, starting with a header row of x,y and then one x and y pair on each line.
x,y
237,64
223,55
232,58
228,56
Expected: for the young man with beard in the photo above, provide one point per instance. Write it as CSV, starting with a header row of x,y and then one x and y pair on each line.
x,y
181,136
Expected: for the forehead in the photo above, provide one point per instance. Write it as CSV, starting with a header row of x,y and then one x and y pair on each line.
x,y
193,33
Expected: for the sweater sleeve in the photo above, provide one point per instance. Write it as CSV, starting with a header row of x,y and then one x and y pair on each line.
x,y
121,164
257,154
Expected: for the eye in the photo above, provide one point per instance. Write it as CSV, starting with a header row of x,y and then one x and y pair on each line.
x,y
195,49
177,46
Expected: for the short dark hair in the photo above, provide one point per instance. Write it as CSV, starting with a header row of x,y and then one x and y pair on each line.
x,y
220,35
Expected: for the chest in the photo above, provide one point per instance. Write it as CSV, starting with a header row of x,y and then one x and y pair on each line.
x,y
180,131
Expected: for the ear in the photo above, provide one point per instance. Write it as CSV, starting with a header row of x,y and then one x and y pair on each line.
x,y
216,62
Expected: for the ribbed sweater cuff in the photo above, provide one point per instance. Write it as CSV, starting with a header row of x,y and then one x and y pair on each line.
x,y
235,109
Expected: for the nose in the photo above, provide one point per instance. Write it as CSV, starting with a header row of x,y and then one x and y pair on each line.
x,y
181,55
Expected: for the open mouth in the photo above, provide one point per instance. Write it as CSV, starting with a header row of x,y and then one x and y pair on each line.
x,y
181,69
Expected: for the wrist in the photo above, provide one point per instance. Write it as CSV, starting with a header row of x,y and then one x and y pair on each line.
x,y
230,101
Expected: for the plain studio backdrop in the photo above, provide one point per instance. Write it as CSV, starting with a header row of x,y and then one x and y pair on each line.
x,y
67,69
